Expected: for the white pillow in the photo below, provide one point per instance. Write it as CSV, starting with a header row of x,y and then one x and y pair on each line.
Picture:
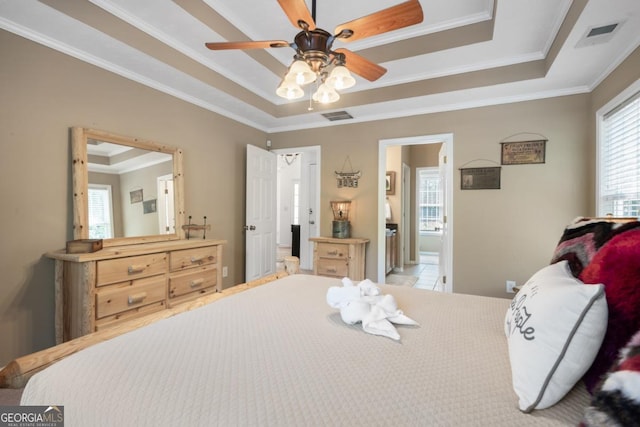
x,y
554,326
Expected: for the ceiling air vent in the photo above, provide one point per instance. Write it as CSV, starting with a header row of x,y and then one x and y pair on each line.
x,y
599,34
599,31
337,115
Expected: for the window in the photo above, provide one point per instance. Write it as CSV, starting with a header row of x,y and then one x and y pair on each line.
x,y
100,218
619,160
296,202
429,200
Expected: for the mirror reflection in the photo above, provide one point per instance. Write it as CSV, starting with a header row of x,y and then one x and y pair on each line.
x,y
135,186
130,191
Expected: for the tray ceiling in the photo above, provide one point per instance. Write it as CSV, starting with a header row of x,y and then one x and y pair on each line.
x,y
466,53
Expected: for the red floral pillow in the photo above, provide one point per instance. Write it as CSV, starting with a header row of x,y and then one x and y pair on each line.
x,y
617,266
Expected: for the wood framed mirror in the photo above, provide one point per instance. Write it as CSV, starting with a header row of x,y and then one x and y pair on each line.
x,y
125,190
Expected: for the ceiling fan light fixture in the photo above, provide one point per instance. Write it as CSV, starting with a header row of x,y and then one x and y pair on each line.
x,y
340,78
289,89
301,73
325,94
315,60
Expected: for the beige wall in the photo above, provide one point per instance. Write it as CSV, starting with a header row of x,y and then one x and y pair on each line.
x,y
498,235
44,93
394,164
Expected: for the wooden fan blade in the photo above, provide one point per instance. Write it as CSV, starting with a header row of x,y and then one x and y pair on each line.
x,y
297,10
393,18
247,45
362,66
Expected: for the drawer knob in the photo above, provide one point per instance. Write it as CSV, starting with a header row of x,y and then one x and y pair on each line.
x,y
136,269
137,298
332,270
196,260
334,252
197,282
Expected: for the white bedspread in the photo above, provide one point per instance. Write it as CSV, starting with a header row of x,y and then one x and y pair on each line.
x,y
278,355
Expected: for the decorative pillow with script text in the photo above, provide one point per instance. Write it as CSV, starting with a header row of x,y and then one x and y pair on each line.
x,y
554,326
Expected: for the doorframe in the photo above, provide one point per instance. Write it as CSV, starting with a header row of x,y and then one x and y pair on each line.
x,y
383,144
310,151
406,212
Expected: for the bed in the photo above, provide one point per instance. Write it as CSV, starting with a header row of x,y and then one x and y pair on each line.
x,y
278,354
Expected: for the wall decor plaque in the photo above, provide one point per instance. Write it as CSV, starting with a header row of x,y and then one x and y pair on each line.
x,y
480,178
523,152
348,179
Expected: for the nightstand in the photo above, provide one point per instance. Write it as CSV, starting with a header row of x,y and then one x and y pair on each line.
x,y
339,258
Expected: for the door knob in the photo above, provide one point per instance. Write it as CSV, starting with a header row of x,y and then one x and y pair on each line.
x,y
250,227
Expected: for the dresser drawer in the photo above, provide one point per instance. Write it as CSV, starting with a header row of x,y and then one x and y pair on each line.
x,y
122,269
195,279
135,313
333,267
189,258
331,250
130,295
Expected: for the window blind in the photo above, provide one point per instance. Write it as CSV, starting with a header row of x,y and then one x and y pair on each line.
x,y
100,225
429,200
620,160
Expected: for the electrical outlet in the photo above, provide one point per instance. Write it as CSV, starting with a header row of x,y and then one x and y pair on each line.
x,y
225,271
510,286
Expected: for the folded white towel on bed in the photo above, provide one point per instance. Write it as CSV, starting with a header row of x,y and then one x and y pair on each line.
x,y
338,296
364,303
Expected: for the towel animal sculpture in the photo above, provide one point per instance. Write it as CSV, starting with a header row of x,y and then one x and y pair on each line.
x,y
364,303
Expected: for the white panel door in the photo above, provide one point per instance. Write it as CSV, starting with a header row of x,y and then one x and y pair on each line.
x,y
165,205
260,225
310,210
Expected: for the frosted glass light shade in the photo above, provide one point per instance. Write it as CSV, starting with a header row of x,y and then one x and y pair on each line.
x,y
301,73
325,94
340,78
288,89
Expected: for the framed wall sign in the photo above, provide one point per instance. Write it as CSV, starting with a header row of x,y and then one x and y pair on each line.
x,y
348,179
480,178
523,152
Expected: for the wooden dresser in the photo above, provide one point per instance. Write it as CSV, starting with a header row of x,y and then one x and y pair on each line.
x,y
339,257
102,289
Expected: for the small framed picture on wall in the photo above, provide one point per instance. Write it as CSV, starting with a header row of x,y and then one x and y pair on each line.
x,y
391,183
135,196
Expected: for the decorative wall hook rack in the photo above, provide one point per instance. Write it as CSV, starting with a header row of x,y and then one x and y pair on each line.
x,y
348,179
204,227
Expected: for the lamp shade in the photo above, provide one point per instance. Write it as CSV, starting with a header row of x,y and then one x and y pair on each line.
x,y
288,89
301,73
325,94
340,78
340,210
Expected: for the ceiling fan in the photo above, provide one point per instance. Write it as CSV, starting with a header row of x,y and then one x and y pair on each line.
x,y
316,60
